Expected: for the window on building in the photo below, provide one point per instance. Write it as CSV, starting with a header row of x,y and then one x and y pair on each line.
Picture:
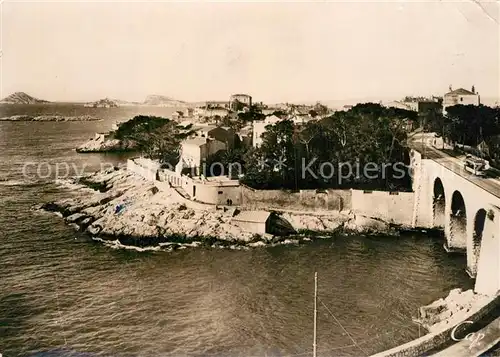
x,y
461,99
220,192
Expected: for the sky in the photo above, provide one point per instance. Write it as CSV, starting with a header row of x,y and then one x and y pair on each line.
x,y
275,51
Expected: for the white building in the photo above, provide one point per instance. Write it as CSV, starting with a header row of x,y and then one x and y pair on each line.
x,y
195,151
460,96
259,128
201,129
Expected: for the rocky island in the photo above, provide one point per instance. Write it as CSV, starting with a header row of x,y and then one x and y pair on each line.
x,y
22,98
42,118
154,100
102,103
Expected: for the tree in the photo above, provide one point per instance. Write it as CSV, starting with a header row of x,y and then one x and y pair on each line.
x,y
313,113
272,164
155,137
366,133
237,105
254,113
139,124
306,134
471,124
320,109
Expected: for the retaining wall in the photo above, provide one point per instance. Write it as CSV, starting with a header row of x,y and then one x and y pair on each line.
x,y
304,200
392,207
165,187
143,167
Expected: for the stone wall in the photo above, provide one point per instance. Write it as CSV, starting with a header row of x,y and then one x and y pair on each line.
x,y
165,187
392,207
211,192
143,167
218,195
304,200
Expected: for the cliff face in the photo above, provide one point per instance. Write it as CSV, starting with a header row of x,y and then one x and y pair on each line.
x,y
22,98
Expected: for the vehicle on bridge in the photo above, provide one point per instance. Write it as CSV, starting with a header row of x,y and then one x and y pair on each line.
x,y
475,165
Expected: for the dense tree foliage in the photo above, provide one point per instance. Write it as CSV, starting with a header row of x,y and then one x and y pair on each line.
x,y
326,153
320,109
139,124
156,137
470,125
253,113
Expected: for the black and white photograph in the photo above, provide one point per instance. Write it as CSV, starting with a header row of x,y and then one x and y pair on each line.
x,y
250,178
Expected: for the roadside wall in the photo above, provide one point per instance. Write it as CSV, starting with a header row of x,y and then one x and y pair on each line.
x,y
392,207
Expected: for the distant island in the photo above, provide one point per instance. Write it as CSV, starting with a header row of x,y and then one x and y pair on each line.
x,y
49,118
163,101
102,103
22,98
151,100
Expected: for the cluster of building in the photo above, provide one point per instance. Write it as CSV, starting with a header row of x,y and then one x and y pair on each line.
x,y
423,105
191,175
210,137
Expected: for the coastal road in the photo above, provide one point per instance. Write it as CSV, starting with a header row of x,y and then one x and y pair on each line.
x,y
422,142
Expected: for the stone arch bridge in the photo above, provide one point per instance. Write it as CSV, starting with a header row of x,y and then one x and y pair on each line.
x,y
466,206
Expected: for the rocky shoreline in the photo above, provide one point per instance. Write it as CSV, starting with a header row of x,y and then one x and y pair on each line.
x,y
451,310
118,207
44,118
107,145
124,211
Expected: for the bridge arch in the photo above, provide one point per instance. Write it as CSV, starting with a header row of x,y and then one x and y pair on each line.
x,y
438,204
458,221
477,236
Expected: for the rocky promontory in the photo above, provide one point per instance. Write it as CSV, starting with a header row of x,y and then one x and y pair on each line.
x,y
101,144
44,118
120,207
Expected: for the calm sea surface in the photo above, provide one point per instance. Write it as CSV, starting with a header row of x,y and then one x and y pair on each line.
x,y
62,294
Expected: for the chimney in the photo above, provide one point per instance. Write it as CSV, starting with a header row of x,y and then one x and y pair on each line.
x,y
450,88
473,89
